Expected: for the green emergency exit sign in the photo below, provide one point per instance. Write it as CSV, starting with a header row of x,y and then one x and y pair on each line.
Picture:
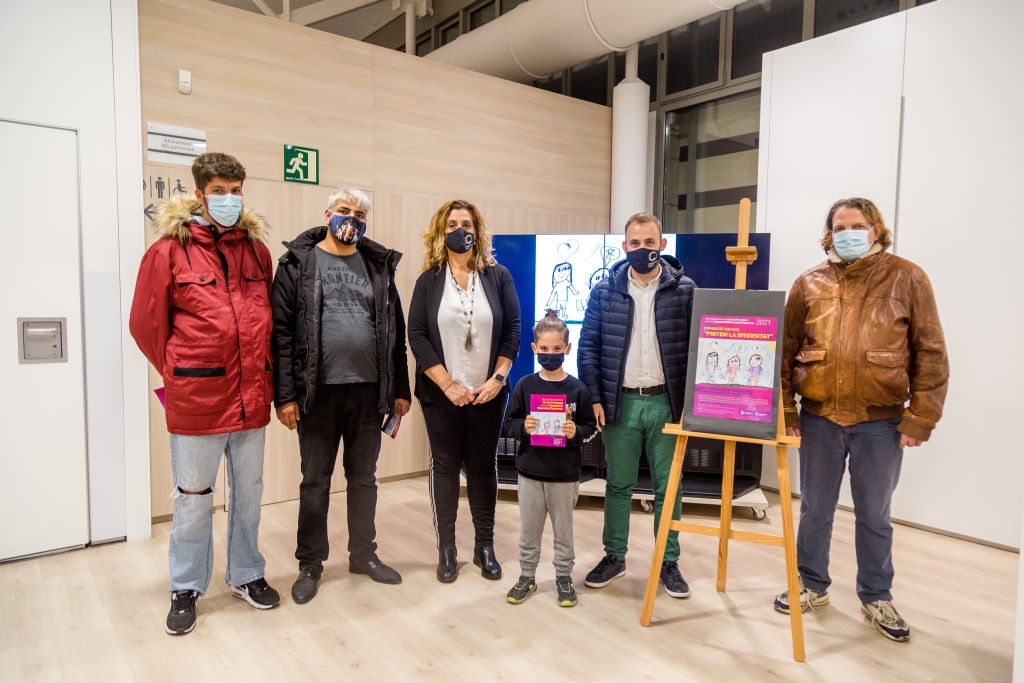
x,y
301,164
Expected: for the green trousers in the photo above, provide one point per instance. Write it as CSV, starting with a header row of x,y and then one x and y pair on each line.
x,y
641,419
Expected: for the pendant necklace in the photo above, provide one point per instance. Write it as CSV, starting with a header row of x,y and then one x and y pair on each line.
x,y
466,311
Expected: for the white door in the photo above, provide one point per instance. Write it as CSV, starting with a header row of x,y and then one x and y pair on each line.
x,y
43,486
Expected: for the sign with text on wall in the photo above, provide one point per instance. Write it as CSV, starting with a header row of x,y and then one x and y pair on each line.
x,y
301,165
174,144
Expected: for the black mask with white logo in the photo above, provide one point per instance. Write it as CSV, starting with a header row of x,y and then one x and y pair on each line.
x,y
643,260
459,240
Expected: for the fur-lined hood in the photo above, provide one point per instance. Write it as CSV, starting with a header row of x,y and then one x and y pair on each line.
x,y
174,216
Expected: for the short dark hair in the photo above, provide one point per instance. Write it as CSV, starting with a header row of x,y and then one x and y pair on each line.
x,y
643,217
212,165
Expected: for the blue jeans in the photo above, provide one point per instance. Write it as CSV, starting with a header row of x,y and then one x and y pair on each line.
x,y
194,462
875,458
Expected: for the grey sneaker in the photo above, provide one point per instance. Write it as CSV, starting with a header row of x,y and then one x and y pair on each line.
x,y
887,620
524,588
808,600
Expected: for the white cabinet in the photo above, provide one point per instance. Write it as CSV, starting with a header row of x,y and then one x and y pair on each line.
x,y
920,112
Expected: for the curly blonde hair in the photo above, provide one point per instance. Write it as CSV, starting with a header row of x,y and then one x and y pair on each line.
x,y
437,229
871,213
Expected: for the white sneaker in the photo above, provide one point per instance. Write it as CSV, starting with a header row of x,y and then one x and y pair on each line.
x,y
808,600
887,620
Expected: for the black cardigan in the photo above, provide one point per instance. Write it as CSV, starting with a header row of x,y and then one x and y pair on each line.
x,y
425,337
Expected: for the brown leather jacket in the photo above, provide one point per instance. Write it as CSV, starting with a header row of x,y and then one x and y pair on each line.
x,y
862,338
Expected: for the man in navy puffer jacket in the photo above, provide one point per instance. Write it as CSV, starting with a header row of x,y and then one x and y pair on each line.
x,y
632,357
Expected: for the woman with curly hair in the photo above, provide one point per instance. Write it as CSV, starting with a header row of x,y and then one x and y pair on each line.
x,y
464,333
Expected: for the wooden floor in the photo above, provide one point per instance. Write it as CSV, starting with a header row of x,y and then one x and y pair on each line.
x,y
97,614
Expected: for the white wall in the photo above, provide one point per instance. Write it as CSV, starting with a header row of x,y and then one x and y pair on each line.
x,y
63,60
831,127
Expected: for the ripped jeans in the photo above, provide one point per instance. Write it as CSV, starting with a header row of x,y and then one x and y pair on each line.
x,y
194,462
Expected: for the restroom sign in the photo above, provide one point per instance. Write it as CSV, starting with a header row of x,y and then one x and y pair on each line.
x,y
301,164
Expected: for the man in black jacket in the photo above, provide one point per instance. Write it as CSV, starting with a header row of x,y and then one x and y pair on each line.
x,y
339,368
632,357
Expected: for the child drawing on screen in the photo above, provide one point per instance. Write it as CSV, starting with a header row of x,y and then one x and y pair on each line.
x,y
597,276
561,288
754,369
711,372
732,370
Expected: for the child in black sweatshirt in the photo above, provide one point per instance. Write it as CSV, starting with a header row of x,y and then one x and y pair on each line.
x,y
549,475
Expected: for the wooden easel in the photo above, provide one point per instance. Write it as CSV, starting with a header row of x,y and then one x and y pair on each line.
x,y
740,256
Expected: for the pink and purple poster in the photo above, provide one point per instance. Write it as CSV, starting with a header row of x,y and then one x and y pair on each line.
x,y
735,367
549,411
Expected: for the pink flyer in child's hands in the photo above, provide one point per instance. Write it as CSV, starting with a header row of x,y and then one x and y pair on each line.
x,y
549,411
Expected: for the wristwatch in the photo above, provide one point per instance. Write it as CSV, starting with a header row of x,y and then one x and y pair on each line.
x,y
500,377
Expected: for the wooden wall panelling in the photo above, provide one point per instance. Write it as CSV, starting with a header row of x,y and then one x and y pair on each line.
x,y
444,131
258,84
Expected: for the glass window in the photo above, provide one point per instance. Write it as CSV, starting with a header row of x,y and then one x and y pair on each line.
x,y
693,54
481,15
590,81
647,65
449,32
710,163
761,26
552,83
423,45
509,5
835,15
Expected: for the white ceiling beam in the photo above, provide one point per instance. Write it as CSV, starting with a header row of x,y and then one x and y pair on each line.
x,y
325,9
265,8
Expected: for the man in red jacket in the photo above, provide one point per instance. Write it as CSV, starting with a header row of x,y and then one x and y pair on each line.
x,y
201,315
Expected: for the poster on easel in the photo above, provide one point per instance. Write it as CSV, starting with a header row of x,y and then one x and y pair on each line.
x,y
732,377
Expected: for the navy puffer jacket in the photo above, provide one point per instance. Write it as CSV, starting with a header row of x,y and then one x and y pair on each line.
x,y
608,324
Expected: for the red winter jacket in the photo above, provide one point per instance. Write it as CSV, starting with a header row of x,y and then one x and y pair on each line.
x,y
207,333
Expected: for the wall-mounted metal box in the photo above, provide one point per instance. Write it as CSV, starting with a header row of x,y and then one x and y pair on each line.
x,y
42,340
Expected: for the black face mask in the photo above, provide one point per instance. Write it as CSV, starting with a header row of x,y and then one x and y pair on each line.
x,y
551,361
643,260
459,240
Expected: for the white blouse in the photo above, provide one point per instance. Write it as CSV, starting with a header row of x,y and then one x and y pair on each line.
x,y
467,368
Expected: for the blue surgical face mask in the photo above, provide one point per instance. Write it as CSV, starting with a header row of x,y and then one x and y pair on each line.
x,y
347,229
851,244
224,208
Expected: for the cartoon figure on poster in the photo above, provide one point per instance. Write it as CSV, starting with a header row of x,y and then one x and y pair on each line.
x,y
754,366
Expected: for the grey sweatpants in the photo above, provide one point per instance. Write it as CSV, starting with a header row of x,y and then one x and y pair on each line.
x,y
538,500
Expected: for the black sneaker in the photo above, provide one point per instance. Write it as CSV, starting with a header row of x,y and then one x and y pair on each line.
x,y
376,570
182,617
675,584
566,593
305,587
606,571
258,593
524,588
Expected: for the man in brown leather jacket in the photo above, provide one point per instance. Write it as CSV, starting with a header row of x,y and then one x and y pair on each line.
x,y
862,338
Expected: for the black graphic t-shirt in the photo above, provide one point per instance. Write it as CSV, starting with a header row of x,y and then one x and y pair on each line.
x,y
348,338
